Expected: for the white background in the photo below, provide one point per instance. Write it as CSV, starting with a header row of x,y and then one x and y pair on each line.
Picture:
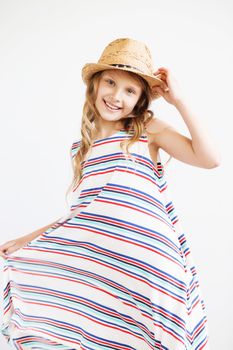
x,y
43,46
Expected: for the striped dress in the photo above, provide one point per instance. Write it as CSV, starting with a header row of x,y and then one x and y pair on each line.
x,y
115,273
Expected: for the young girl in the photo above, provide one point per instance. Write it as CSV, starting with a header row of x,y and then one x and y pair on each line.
x,y
116,272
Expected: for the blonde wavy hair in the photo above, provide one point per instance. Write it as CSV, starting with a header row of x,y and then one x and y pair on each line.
x,y
141,116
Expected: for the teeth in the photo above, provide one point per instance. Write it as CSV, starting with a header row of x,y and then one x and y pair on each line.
x,y
112,107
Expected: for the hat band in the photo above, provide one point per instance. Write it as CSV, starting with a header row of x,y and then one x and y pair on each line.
x,y
125,66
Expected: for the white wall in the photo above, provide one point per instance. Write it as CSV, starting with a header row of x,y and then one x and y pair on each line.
x,y
43,46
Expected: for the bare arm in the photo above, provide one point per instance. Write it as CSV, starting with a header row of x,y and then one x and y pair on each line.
x,y
36,233
199,150
15,244
205,152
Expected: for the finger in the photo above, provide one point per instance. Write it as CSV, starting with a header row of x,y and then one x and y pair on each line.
x,y
159,90
162,91
163,78
163,69
11,250
158,76
7,245
164,74
164,85
3,251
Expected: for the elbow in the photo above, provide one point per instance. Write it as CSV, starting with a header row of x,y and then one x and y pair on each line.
x,y
217,163
214,164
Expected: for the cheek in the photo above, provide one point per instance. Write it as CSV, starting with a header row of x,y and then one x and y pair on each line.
x,y
99,91
100,95
134,102
103,89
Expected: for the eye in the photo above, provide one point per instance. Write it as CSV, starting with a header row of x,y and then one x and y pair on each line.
x,y
132,91
109,81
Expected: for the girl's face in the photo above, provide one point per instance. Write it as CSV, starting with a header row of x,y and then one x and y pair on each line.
x,y
117,94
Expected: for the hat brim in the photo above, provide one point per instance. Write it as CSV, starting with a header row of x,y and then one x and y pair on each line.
x,y
90,68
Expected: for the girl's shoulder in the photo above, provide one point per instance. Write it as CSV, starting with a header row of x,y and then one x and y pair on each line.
x,y
156,125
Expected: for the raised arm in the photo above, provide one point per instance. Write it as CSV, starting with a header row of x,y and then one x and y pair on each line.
x,y
199,150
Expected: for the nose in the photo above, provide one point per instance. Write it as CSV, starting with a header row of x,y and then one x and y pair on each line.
x,y
116,95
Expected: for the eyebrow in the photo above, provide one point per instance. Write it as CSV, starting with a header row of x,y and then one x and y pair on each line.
x,y
136,85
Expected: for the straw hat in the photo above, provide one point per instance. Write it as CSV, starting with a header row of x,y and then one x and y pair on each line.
x,y
128,55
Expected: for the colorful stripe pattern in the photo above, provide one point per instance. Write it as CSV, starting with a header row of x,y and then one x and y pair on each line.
x,y
115,273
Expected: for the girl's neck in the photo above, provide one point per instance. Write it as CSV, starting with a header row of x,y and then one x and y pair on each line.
x,y
103,131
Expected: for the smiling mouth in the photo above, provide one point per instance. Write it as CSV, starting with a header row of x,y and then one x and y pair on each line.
x,y
113,109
